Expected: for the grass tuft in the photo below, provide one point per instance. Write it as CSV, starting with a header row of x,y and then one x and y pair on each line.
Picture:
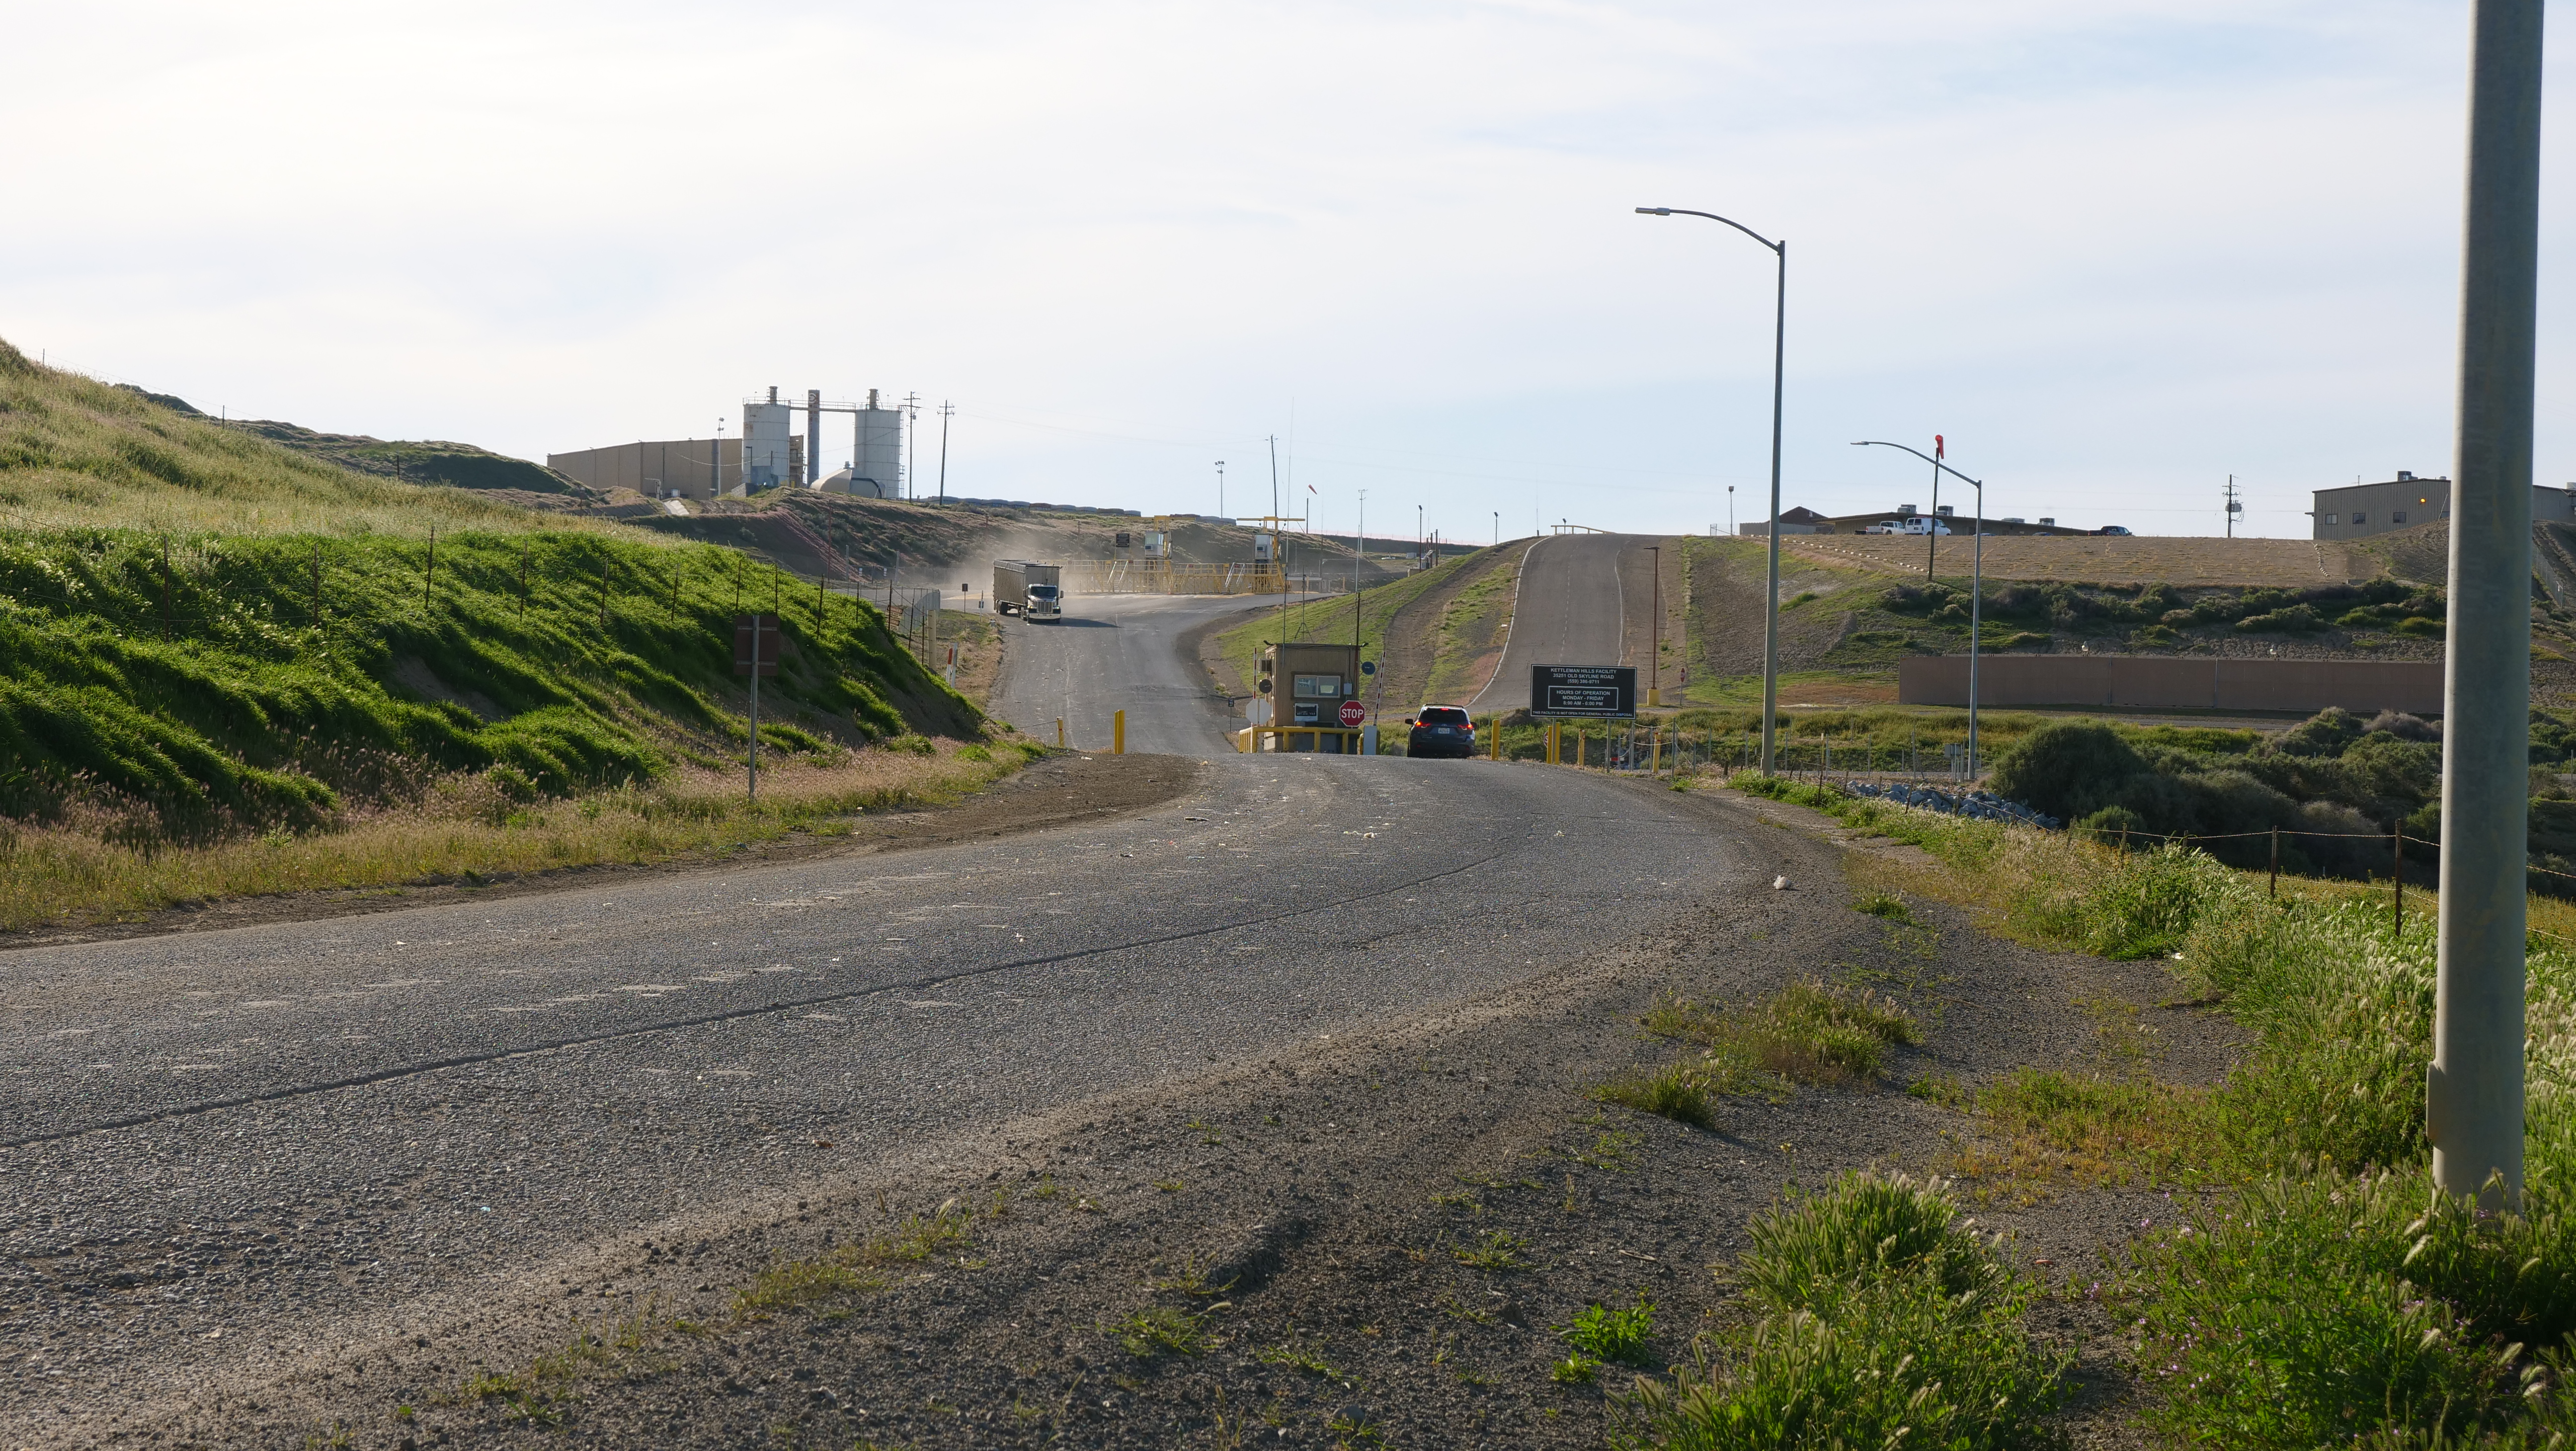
x,y
1495,1252
1604,1334
1885,1320
1160,1329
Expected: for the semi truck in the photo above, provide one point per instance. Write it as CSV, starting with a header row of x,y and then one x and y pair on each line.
x,y
1031,591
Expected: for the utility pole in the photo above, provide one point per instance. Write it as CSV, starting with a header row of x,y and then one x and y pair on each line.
x,y
1359,553
912,425
2234,508
946,411
813,435
1655,633
1278,543
2473,1098
1220,490
1932,525
1730,511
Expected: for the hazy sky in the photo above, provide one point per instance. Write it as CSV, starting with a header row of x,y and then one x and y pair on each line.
x,y
2115,250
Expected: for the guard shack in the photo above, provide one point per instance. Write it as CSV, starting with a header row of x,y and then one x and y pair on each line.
x,y
1305,688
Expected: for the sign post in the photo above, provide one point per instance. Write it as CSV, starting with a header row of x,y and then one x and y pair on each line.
x,y
755,653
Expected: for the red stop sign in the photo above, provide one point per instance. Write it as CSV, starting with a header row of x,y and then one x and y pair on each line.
x,y
1353,712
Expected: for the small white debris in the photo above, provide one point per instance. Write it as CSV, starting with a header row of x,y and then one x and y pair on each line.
x,y
1779,884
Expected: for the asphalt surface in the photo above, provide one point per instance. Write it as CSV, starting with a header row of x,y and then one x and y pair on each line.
x,y
1110,653
1569,611
232,1153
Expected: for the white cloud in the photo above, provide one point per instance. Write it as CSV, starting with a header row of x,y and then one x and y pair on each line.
x,y
2114,251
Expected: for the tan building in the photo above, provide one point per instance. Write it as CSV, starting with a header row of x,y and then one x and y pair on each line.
x,y
686,468
2357,511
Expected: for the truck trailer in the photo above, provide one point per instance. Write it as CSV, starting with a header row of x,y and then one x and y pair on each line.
x,y
1031,591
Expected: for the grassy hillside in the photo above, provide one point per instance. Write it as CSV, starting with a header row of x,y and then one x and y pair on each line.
x,y
203,635
76,453
259,682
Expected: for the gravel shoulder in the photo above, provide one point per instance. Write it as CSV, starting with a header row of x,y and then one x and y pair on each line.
x,y
1306,1215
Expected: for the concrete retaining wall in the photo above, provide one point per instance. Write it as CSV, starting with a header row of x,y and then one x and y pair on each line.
x,y
2166,682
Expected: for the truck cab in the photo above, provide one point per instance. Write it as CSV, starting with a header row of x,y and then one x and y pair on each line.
x,y
1045,602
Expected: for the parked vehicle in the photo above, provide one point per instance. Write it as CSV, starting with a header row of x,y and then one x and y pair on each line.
x,y
1441,730
1034,592
2113,529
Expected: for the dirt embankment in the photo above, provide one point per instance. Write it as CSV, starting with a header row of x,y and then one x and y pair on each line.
x,y
1725,612
1060,790
1364,1241
1445,642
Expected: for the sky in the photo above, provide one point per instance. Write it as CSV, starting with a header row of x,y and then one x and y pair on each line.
x,y
2113,252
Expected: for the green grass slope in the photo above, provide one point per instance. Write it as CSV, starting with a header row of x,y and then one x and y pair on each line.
x,y
177,664
78,453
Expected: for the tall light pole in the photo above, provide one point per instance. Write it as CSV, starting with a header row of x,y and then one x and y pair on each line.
x,y
1220,489
946,411
1779,354
2474,1089
1977,586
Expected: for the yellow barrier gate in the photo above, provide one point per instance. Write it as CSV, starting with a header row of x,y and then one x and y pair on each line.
x,y
1285,738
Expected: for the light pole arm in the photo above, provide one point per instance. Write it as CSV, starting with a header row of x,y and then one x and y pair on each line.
x,y
1918,453
1712,216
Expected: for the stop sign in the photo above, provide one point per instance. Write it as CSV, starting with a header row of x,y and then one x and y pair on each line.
x,y
1353,713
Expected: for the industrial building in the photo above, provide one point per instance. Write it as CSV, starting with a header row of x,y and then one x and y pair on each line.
x,y
2357,511
768,454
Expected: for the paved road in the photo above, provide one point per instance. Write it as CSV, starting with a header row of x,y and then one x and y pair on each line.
x,y
1568,612
225,1152
1115,652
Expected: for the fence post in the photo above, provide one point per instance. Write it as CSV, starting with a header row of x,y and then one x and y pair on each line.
x,y
2276,863
2397,871
429,575
165,586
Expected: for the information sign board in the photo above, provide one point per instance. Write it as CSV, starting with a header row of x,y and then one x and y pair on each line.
x,y
1583,690
764,629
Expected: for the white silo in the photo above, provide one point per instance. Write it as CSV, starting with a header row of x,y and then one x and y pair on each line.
x,y
765,463
876,458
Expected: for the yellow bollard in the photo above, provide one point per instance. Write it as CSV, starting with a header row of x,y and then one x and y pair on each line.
x,y
1494,739
1059,730
1118,733
1656,766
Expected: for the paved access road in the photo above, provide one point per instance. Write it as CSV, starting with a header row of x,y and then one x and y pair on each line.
x,y
1117,652
225,1153
1568,611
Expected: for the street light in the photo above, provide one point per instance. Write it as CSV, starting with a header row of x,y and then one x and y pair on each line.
x,y
1977,587
1779,346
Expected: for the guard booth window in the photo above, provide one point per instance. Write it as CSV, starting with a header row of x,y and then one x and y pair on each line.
x,y
1318,685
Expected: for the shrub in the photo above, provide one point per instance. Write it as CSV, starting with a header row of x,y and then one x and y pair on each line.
x,y
2067,768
